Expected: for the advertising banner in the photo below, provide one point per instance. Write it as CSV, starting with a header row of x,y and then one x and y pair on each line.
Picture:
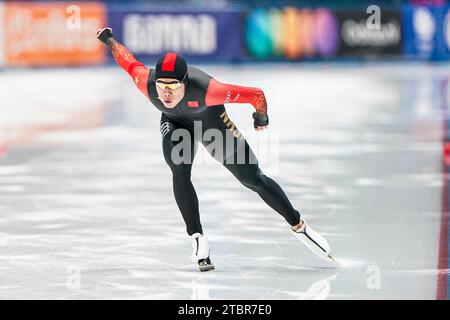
x,y
375,33
291,33
446,34
2,28
207,35
53,33
425,32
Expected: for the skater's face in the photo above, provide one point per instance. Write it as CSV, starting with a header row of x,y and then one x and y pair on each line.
x,y
170,91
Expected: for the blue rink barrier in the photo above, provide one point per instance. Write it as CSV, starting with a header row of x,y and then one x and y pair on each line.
x,y
237,34
245,34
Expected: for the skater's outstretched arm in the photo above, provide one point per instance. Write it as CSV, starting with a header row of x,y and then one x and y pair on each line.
x,y
125,59
220,93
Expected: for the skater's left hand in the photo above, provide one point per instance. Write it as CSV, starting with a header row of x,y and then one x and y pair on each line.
x,y
105,35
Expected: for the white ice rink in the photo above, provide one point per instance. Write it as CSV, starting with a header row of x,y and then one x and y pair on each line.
x,y
87,210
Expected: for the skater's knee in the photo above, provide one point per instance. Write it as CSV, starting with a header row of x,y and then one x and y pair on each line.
x,y
254,181
257,184
181,172
178,161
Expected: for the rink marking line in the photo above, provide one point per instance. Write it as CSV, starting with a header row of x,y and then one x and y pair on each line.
x,y
445,241
443,278
442,290
423,272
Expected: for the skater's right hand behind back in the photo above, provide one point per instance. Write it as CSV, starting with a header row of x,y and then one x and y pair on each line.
x,y
260,122
105,35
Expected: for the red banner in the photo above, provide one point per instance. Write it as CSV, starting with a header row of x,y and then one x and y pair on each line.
x,y
46,33
1,36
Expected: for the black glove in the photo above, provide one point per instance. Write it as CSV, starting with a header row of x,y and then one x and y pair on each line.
x,y
260,120
105,35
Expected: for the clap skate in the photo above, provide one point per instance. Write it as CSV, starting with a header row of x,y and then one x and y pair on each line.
x,y
201,250
313,241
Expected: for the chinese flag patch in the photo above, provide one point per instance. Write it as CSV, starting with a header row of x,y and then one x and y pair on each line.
x,y
193,104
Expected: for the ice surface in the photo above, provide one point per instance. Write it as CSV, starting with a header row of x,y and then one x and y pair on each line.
x,y
86,204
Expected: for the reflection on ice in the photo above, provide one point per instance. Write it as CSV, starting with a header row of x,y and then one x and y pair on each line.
x,y
319,290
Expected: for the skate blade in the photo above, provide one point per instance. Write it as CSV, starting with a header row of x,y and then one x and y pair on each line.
x,y
333,259
206,268
205,265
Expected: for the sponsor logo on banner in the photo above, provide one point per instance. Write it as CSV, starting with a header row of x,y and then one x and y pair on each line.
x,y
53,33
359,38
194,34
355,33
424,24
203,34
447,30
2,59
291,33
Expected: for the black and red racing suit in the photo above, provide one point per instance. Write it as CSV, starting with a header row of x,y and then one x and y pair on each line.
x,y
203,103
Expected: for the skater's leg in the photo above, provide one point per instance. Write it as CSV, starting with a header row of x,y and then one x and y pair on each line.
x,y
251,176
183,189
242,163
180,164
